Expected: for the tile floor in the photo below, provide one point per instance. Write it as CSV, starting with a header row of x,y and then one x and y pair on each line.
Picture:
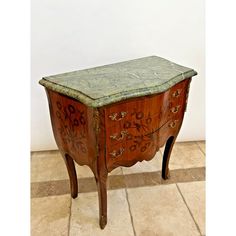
x,y
140,203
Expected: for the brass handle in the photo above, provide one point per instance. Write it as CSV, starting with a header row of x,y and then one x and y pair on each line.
x,y
175,109
115,117
118,153
173,124
176,93
120,136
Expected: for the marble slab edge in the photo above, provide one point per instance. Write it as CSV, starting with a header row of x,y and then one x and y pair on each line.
x,y
106,100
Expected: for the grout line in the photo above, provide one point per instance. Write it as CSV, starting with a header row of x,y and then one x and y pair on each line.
x,y
69,216
131,216
200,148
189,209
51,151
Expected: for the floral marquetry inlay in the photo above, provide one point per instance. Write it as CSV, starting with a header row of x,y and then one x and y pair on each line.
x,y
138,133
139,128
72,126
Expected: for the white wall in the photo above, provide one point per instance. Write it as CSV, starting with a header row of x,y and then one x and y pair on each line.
x,y
69,35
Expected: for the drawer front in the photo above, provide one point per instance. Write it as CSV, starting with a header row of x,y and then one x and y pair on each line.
x,y
128,130
140,109
141,147
138,148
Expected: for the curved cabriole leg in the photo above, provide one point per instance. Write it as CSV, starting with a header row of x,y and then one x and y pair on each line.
x,y
72,175
102,197
166,157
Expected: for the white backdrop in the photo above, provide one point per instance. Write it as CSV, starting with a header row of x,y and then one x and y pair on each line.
x,y
69,35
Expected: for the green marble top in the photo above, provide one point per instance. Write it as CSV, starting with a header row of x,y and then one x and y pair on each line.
x,y
107,84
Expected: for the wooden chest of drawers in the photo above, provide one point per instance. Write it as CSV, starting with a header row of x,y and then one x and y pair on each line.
x,y
117,115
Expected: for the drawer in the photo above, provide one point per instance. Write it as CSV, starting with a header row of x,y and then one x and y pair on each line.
x,y
178,91
129,129
126,153
142,109
142,146
161,106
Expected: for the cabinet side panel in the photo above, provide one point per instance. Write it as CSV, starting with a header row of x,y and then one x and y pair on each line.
x,y
73,128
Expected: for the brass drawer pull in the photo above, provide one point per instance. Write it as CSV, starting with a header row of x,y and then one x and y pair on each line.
x,y
115,117
120,136
176,93
173,124
175,109
118,153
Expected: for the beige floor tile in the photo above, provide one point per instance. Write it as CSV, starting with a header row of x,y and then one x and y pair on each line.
x,y
84,215
202,145
186,155
116,171
194,195
50,216
160,211
48,166
145,166
83,171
